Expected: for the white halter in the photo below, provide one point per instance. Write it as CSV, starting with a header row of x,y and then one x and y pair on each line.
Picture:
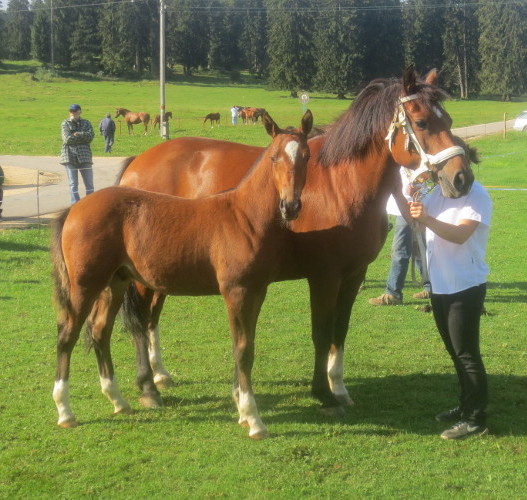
x,y
400,121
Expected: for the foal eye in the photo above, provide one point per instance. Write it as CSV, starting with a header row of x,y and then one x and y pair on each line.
x,y
273,158
421,124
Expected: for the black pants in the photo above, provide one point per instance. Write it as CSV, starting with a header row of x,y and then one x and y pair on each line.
x,y
457,317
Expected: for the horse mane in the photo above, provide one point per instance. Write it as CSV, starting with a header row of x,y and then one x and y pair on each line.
x,y
363,126
124,165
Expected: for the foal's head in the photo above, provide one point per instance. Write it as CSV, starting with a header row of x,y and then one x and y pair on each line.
x,y
289,154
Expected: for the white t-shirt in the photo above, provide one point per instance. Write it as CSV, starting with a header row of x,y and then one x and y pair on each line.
x,y
391,205
453,267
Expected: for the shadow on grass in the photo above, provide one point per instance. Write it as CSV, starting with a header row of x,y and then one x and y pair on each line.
x,y
384,406
10,246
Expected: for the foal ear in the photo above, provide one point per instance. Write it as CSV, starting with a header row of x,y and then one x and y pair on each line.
x,y
272,128
307,123
431,77
409,80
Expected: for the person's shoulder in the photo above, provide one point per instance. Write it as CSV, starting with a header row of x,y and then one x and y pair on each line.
x,y
479,191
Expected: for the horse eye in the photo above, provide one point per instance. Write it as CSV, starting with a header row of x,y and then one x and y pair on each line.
x,y
273,158
421,124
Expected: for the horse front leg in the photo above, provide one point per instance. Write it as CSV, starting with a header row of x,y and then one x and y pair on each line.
x,y
243,306
323,294
100,329
345,300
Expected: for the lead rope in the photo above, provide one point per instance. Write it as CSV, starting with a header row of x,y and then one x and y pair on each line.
x,y
419,249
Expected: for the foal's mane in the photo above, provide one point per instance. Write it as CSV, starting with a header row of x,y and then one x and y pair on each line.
x,y
363,126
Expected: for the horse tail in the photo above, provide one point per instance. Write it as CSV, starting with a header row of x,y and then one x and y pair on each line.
x,y
124,165
133,311
60,273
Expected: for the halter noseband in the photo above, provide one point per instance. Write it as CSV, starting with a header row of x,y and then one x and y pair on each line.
x,y
427,160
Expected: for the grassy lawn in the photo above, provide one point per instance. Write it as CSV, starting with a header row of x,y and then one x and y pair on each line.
x,y
33,109
387,446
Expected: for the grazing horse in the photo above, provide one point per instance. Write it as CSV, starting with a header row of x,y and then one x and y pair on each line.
x,y
157,119
353,168
228,244
132,119
214,119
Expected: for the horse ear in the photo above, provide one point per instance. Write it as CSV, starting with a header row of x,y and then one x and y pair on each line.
x,y
272,128
307,123
409,80
431,77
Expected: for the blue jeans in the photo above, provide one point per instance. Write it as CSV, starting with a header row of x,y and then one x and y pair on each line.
x,y
401,254
108,139
73,180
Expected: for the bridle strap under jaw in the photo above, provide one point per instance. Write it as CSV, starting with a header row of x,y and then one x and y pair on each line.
x,y
400,120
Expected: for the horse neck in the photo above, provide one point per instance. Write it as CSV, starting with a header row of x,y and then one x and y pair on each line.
x,y
257,195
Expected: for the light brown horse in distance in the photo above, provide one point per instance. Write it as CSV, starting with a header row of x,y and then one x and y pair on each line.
x,y
157,119
229,244
214,119
132,119
353,168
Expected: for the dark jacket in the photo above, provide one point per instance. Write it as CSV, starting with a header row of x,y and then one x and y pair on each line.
x,y
107,127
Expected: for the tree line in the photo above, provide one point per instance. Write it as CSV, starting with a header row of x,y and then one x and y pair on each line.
x,y
334,46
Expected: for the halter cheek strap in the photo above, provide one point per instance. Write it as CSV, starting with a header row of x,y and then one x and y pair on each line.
x,y
400,120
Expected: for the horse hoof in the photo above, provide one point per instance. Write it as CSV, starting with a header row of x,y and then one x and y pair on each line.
x,y
258,436
125,410
334,411
150,401
68,424
164,382
243,423
344,399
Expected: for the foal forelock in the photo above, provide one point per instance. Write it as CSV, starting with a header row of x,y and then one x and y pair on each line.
x,y
362,127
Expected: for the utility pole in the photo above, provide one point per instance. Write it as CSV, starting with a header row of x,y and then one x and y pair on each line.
x,y
51,30
163,125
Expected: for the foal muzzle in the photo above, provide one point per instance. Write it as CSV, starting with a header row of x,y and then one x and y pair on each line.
x,y
290,209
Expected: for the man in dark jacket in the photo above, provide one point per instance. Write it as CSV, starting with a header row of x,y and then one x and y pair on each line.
x,y
107,128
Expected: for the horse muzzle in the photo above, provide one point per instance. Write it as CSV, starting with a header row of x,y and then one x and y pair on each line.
x,y
290,209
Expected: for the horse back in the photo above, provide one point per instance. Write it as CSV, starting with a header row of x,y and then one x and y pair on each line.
x,y
191,167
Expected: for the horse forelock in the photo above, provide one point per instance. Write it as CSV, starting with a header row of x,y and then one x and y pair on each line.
x,y
363,126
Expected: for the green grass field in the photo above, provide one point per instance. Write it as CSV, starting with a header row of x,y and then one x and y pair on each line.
x,y
397,371
33,110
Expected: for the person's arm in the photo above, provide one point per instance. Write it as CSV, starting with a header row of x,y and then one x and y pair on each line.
x,y
67,137
86,135
402,205
455,233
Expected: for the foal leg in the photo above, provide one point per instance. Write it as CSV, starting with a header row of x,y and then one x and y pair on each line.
x,y
69,324
323,294
345,300
244,306
109,304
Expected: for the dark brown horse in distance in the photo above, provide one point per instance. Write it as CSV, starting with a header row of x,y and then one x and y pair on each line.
x,y
157,119
132,119
214,118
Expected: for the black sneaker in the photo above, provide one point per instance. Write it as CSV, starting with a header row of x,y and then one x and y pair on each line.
x,y
463,430
449,415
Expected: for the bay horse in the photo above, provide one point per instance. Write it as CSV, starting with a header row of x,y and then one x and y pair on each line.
x,y
228,244
214,119
353,168
157,119
132,119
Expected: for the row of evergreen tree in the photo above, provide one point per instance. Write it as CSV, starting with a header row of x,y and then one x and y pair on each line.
x,y
327,45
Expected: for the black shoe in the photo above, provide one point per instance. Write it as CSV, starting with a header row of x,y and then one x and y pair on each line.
x,y
463,430
449,415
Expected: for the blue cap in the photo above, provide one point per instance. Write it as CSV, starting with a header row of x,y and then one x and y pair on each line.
x,y
75,107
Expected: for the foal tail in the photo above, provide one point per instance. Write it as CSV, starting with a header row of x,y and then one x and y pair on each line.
x,y
60,273
124,166
134,312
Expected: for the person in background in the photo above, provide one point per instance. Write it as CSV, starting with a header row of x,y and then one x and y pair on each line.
x,y
107,129
234,114
76,154
402,244
457,231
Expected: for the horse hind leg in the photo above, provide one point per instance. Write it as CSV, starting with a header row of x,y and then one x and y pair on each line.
x,y
109,304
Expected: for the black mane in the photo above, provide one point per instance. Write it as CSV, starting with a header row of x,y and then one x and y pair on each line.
x,y
363,126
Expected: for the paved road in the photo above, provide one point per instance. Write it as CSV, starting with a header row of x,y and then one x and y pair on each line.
x,y
22,203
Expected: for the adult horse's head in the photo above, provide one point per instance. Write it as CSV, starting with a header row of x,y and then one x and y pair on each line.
x,y
289,154
419,136
118,111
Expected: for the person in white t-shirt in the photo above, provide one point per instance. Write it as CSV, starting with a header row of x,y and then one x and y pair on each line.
x,y
457,231
401,250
